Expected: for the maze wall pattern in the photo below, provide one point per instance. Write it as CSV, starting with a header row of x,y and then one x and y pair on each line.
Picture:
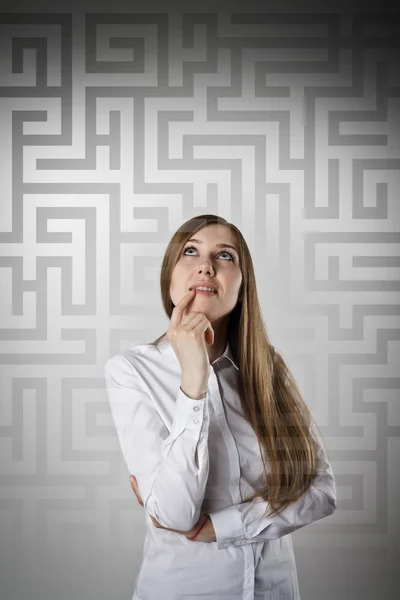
x,y
115,127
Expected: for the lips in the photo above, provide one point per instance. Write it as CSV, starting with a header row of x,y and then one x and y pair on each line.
x,y
205,293
204,284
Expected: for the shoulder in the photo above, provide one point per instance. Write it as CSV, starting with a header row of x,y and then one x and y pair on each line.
x,y
127,363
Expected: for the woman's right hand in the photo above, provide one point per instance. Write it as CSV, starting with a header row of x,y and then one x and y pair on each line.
x,y
187,335
189,533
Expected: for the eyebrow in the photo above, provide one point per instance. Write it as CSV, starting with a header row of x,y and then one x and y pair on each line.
x,y
220,245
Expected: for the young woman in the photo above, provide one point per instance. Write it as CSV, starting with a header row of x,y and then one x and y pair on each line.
x,y
223,452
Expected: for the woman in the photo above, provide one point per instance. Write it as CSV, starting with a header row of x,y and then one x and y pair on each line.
x,y
223,452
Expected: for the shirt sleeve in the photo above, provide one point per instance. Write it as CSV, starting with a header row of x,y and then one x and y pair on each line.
x,y
171,467
244,523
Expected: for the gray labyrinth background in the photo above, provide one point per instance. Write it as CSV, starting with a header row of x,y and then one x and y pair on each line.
x,y
120,121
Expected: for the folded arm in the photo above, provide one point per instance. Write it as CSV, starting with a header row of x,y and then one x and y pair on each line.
x,y
172,483
244,523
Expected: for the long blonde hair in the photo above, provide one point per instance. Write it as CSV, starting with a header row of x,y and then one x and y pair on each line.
x,y
270,398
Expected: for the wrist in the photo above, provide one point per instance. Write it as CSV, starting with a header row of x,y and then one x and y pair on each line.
x,y
206,517
195,393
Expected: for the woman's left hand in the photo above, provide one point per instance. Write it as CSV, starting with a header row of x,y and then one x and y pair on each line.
x,y
207,533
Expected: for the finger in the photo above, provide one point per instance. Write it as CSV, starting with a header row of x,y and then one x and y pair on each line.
x,y
135,488
206,327
192,320
156,523
176,316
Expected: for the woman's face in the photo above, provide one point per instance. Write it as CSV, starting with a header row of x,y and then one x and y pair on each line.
x,y
206,261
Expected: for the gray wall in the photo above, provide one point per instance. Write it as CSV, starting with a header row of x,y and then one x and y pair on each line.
x,y
116,126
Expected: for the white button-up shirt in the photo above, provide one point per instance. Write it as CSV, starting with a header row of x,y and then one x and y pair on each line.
x,y
189,455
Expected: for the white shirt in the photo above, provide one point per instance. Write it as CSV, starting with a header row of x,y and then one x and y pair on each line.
x,y
159,430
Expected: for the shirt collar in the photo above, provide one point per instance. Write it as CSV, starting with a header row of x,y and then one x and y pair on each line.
x,y
168,351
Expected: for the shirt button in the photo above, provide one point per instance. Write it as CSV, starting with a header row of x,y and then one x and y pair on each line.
x,y
196,408
195,420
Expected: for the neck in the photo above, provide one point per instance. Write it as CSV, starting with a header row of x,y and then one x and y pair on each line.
x,y
220,327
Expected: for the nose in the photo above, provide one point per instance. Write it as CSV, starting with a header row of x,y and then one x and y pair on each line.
x,y
208,269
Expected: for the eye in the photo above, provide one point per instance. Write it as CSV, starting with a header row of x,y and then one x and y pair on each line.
x,y
232,258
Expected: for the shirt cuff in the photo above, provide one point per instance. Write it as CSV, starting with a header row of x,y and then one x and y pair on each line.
x,y
189,414
228,526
